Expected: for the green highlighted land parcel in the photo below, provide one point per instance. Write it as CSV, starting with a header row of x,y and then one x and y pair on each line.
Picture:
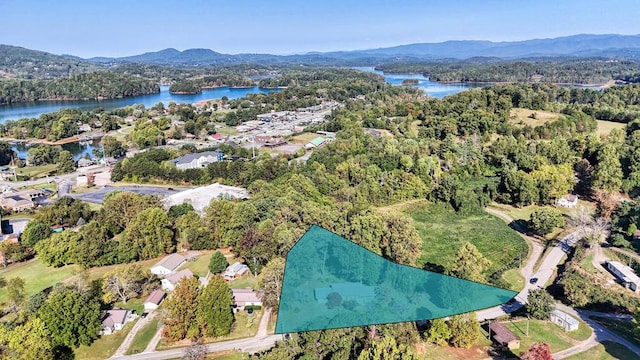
x,y
330,282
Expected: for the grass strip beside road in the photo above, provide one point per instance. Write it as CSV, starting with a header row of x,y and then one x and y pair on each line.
x,y
143,337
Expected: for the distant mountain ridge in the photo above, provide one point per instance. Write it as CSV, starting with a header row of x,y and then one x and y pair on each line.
x,y
608,46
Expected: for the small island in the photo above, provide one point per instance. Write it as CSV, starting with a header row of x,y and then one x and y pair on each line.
x,y
410,82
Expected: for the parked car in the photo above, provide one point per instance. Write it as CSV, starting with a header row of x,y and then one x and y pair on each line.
x,y
533,280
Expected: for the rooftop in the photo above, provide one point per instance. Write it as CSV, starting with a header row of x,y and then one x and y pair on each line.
x,y
114,316
628,275
501,333
200,197
175,278
155,297
190,157
566,317
171,262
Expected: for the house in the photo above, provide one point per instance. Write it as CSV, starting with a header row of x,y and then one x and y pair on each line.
x,y
115,319
84,128
16,203
169,283
568,200
349,291
503,336
245,297
168,265
564,320
198,160
625,274
235,271
315,143
154,299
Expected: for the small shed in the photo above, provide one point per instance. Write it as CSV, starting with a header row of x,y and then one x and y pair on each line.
x,y
564,320
503,336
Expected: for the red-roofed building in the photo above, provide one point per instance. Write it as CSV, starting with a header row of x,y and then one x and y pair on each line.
x,y
503,336
153,301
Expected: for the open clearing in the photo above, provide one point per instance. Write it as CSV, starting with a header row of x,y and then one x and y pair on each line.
x,y
605,127
443,232
526,117
547,332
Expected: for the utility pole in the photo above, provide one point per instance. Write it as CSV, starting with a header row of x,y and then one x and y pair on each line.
x,y
528,319
489,329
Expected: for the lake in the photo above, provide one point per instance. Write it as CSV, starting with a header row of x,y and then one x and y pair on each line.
x,y
34,109
77,149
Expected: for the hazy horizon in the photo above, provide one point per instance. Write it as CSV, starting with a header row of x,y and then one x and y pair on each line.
x,y
120,28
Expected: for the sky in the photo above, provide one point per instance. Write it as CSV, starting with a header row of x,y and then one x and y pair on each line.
x,y
115,28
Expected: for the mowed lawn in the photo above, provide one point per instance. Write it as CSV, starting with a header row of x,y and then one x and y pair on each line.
x,y
524,116
608,350
443,232
548,332
37,276
605,127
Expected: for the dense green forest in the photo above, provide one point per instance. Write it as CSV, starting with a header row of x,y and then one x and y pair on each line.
x,y
98,85
566,71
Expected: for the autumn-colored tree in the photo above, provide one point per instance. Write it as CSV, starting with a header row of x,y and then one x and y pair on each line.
x,y
537,351
125,282
181,309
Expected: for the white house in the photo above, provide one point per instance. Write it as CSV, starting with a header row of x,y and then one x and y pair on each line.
x,y
568,200
564,320
235,271
625,274
169,283
168,265
197,160
153,301
245,297
115,319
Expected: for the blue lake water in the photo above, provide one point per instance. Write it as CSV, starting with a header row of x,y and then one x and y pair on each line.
x,y
34,109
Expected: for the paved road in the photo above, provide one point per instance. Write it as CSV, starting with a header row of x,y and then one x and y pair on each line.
x,y
251,345
544,273
600,333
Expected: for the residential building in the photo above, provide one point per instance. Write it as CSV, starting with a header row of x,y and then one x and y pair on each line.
x,y
564,320
198,160
568,200
168,265
503,336
245,297
115,319
235,271
16,203
154,299
169,283
625,274
82,162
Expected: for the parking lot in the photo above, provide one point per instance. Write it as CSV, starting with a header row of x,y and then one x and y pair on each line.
x,y
98,194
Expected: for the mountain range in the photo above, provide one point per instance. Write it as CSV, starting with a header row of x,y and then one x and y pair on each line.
x,y
609,46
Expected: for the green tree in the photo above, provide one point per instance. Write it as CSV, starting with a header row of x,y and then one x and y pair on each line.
x,y
539,304
607,174
65,162
34,232
215,314
465,330
181,310
386,349
271,282
218,263
15,293
73,318
122,207
190,231
150,234
112,147
543,220
439,332
31,341
469,264
60,249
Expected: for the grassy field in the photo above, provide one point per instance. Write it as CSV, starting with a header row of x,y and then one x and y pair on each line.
x,y
443,232
227,131
625,329
605,127
608,350
200,266
37,276
546,331
587,264
523,116
104,347
244,326
304,138
142,338
37,171
514,279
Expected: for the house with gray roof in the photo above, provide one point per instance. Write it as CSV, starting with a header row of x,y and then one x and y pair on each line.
x,y
115,319
169,283
168,265
235,271
197,160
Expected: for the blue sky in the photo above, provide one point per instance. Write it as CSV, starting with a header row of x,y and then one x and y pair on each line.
x,y
89,28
